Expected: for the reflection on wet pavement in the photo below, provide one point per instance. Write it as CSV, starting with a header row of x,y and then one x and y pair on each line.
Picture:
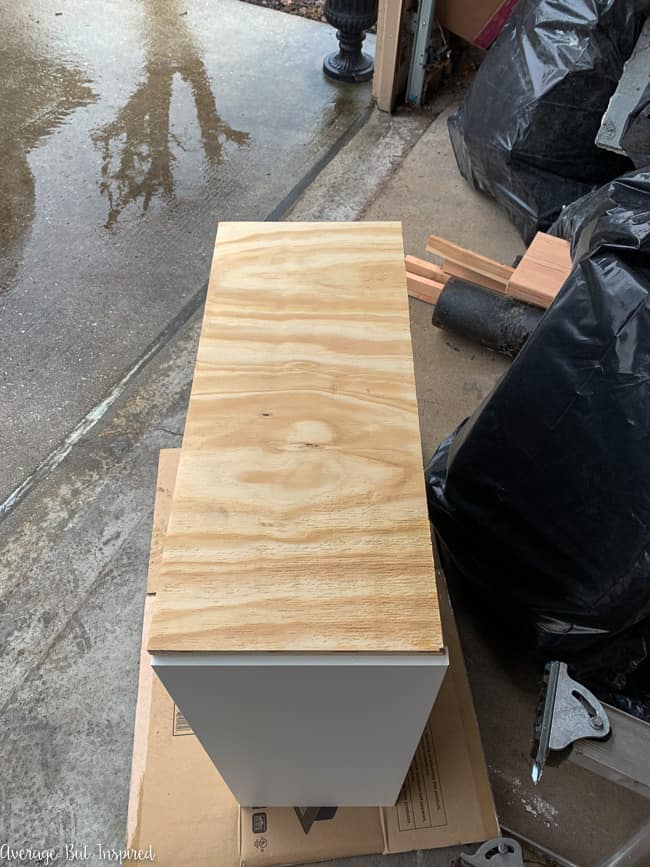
x,y
29,114
129,128
137,146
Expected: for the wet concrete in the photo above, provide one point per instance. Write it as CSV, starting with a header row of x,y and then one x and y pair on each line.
x,y
129,128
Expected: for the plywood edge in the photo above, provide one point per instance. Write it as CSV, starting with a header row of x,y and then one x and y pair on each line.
x,y
268,659
168,460
141,729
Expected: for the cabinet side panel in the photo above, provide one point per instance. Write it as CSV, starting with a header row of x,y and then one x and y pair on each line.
x,y
307,736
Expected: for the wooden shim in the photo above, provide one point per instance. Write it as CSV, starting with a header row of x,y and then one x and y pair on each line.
x,y
423,289
468,259
424,268
454,270
542,271
299,519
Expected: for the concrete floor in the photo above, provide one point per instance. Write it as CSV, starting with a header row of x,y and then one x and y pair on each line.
x,y
129,129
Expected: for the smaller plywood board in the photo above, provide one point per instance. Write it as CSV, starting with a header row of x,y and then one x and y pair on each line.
x,y
299,519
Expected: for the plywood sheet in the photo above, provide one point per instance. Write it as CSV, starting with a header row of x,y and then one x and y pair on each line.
x,y
299,519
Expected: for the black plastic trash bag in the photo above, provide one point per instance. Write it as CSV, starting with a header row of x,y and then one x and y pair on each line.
x,y
616,214
542,498
636,138
525,133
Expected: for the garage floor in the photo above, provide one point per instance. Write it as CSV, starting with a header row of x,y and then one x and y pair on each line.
x,y
106,228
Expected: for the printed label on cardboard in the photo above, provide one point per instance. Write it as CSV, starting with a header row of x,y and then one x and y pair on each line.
x,y
287,835
421,802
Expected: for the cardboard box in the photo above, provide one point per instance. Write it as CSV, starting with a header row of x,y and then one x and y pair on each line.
x,y
180,806
477,21
178,802
445,801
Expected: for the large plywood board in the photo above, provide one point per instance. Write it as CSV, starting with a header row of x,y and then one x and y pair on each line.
x,y
299,520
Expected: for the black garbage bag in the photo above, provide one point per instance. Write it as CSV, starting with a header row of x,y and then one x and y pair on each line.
x,y
525,133
542,498
616,214
636,138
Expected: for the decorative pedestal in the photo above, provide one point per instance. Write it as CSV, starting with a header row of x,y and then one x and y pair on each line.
x,y
351,18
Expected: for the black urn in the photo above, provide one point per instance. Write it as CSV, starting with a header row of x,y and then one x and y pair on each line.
x,y
351,18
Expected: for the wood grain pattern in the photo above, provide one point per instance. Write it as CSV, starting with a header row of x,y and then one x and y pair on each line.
x,y
167,468
542,271
299,519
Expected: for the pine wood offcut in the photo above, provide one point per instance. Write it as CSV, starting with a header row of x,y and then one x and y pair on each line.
x,y
299,518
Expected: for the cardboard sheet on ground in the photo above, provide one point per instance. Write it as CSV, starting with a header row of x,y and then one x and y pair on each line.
x,y
180,806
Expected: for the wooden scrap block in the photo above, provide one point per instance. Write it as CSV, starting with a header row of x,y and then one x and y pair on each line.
x,y
542,270
424,268
453,269
423,289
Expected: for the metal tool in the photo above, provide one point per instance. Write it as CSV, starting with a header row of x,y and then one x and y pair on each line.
x,y
500,852
566,713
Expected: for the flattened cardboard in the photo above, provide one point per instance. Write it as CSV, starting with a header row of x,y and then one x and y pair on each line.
x,y
477,21
446,799
178,803
181,807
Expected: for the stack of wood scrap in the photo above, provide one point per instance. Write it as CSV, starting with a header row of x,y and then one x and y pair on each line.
x,y
536,280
